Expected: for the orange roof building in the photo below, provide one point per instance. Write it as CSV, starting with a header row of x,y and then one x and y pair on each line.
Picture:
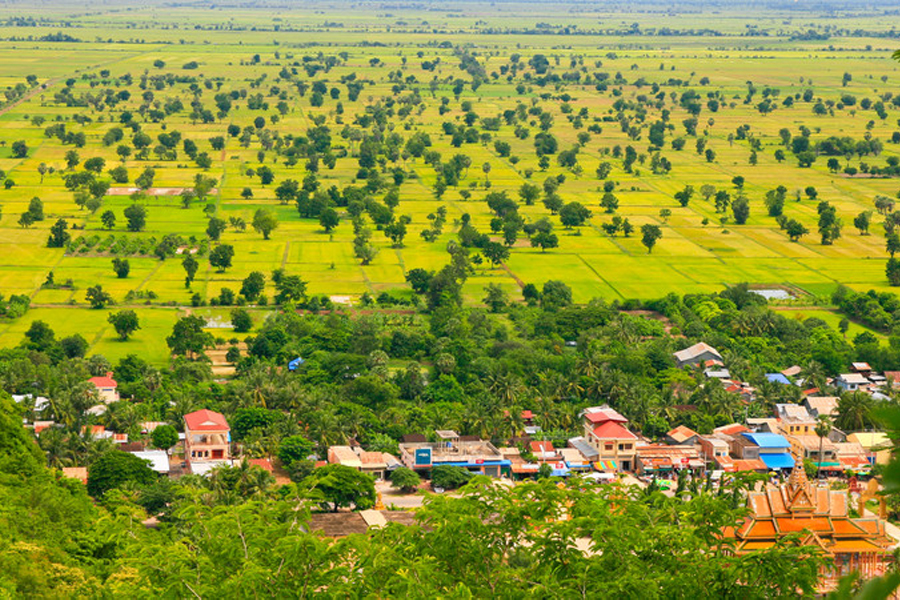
x,y
822,518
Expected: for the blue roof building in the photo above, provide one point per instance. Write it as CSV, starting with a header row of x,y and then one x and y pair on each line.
x,y
774,449
778,378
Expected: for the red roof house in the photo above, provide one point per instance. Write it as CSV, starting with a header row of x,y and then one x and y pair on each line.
x,y
106,388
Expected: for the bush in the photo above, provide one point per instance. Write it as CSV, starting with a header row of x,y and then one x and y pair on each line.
x,y
406,480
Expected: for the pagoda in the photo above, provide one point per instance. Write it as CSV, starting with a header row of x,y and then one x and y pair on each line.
x,y
821,517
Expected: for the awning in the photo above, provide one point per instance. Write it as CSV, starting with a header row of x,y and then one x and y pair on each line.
x,y
781,460
606,465
829,466
578,465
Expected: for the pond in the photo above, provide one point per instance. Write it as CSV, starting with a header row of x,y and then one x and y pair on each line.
x,y
774,294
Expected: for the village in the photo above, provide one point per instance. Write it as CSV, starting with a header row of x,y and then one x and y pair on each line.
x,y
814,477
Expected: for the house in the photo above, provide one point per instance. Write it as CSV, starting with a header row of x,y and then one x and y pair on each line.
x,y
819,406
544,451
852,457
851,382
605,431
107,388
207,439
344,455
575,460
79,473
682,435
794,419
822,518
697,354
714,449
792,371
807,447
40,403
778,378
731,429
661,458
158,459
862,368
477,456
771,448
341,524
876,444
518,467
764,425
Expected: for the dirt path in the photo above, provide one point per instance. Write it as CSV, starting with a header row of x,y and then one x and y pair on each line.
x,y
30,94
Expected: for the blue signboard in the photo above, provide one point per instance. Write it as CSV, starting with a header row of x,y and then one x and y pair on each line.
x,y
423,457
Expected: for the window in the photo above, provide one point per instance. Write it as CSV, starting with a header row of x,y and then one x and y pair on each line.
x,y
608,447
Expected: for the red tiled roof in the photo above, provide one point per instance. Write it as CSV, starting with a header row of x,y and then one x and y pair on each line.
x,y
611,430
542,447
733,429
263,463
604,415
103,382
750,465
206,420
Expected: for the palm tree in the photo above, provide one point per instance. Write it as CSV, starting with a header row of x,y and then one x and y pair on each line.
x,y
823,428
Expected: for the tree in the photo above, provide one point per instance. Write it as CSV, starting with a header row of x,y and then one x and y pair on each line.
x,y
795,229
164,436
288,288
215,227
59,237
862,222
684,196
190,265
892,270
122,267
555,295
396,230
329,219
221,256
265,222
108,218
241,320
116,468
649,236
19,149
495,252
97,297
574,214
293,449
125,322
74,346
823,428
449,477
544,240
405,479
609,202
829,224
137,217
855,411
344,486
253,285
740,208
495,297
188,337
